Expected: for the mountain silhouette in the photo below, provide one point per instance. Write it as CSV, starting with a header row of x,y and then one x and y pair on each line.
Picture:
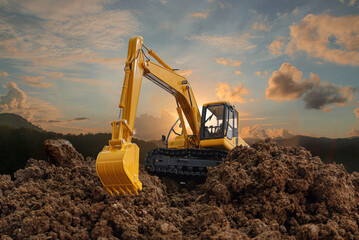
x,y
16,121
21,140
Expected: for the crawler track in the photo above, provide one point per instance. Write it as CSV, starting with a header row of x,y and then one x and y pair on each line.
x,y
185,162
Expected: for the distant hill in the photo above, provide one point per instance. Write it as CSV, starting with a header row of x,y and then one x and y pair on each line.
x,y
21,140
339,150
16,121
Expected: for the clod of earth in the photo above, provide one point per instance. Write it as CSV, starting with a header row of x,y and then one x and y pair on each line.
x,y
263,192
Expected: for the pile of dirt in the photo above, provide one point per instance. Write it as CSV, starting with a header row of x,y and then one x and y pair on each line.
x,y
271,190
263,192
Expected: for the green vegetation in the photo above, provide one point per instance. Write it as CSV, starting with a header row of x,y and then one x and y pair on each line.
x,y
18,144
21,140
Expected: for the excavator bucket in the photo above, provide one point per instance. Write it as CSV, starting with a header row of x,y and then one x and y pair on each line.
x,y
118,169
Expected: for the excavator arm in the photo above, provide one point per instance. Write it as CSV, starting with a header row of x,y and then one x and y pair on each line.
x,y
117,165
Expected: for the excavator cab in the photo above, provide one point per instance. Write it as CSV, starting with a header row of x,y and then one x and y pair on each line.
x,y
219,126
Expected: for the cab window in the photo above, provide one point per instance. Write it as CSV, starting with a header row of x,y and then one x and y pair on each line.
x,y
213,121
230,126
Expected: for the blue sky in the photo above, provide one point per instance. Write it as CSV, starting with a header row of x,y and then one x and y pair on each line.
x,y
290,67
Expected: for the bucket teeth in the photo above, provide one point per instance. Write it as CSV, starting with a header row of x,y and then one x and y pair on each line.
x,y
109,191
135,191
129,191
123,192
114,189
118,170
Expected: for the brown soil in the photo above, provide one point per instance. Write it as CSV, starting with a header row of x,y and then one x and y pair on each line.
x,y
262,192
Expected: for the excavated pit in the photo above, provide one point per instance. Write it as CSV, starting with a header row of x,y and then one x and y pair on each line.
x,y
263,192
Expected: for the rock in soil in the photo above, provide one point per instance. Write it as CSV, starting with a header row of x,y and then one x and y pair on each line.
x,y
263,192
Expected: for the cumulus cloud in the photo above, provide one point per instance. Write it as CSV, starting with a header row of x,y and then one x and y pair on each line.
x,y
226,43
295,11
261,74
15,98
234,94
149,127
235,63
276,46
4,74
323,94
237,72
256,132
33,109
356,112
257,26
39,112
228,61
34,81
353,132
351,3
332,39
287,84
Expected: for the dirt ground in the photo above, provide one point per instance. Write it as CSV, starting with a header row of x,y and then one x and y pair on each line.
x,y
263,192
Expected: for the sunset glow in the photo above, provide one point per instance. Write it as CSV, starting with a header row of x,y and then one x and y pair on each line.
x,y
290,67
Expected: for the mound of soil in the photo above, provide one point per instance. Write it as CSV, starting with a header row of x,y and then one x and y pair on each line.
x,y
263,192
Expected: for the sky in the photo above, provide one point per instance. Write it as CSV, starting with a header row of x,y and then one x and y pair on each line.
x,y
289,67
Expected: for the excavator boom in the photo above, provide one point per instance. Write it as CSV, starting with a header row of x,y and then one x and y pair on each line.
x,y
117,165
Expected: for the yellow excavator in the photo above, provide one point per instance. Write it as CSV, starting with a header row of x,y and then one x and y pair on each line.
x,y
203,145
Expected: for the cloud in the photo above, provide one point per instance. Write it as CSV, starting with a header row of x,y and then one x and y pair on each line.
x,y
326,93
89,81
256,132
351,3
353,132
79,119
356,112
295,11
332,39
276,46
202,15
226,43
327,109
234,94
33,109
34,81
221,61
261,74
253,118
106,60
235,63
39,112
14,99
185,73
149,127
63,34
225,62
237,72
260,27
4,74
287,84
55,74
